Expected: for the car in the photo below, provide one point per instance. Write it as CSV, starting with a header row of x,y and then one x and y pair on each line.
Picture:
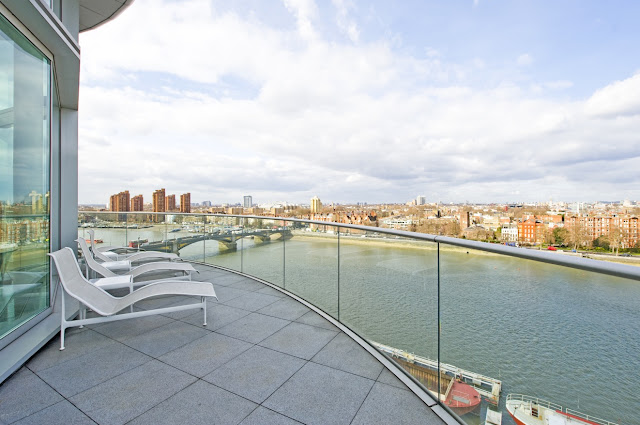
x,y
625,254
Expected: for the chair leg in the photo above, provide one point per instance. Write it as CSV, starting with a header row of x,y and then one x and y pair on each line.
x,y
204,303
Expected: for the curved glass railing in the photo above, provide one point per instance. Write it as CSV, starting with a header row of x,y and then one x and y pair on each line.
x,y
471,322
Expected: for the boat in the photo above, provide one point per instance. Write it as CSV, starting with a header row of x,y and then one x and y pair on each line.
x,y
527,410
457,389
137,243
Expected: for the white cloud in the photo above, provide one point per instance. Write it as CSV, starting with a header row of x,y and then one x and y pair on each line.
x,y
344,121
524,59
347,25
621,98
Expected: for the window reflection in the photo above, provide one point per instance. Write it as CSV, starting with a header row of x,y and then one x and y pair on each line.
x,y
24,178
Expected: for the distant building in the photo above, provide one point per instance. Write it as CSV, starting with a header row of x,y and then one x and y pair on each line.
x,y
119,201
206,203
137,203
234,210
421,200
248,201
185,203
159,204
316,205
531,231
170,203
509,233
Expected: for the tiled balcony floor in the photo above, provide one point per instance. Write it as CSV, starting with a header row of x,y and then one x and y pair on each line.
x,y
264,358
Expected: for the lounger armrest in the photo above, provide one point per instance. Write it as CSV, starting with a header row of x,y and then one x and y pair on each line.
x,y
154,267
151,254
178,287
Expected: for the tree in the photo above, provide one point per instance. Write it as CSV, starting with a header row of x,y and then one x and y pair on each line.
x,y
560,236
602,242
578,234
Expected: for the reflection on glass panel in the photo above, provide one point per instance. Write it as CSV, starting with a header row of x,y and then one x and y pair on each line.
x,y
312,265
24,179
549,332
223,245
388,294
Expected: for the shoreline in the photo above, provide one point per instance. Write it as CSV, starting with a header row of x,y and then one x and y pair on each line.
x,y
431,246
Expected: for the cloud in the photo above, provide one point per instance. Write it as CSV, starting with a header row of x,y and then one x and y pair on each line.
x,y
621,98
284,113
346,25
524,59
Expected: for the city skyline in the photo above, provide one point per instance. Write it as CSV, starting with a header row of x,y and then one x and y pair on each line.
x,y
355,102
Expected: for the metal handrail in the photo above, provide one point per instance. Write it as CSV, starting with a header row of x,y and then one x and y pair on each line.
x,y
549,405
587,264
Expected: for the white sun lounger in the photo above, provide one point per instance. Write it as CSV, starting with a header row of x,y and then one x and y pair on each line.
x,y
106,305
103,269
106,255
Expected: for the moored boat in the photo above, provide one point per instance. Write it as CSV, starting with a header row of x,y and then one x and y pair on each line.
x,y
527,410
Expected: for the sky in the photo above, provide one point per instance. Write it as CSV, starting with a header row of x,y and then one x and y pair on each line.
x,y
363,101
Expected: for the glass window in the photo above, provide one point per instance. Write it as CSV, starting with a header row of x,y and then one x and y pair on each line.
x,y
25,87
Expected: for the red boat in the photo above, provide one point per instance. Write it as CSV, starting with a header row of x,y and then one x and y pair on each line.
x,y
461,398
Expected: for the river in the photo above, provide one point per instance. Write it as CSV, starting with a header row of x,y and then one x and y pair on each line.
x,y
567,336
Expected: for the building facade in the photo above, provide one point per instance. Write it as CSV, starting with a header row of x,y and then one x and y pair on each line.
x,y
120,201
316,205
185,203
137,203
159,205
248,202
170,203
39,80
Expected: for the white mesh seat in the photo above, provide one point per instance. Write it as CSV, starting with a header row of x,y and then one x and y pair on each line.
x,y
107,254
106,305
104,270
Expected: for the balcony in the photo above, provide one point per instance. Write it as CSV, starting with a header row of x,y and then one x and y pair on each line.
x,y
263,358
422,317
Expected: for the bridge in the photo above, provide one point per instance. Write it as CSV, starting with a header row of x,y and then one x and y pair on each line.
x,y
227,241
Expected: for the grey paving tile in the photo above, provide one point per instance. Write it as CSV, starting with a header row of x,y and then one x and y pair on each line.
x,y
124,329
299,340
63,413
24,394
253,328
388,404
262,416
225,293
252,301
270,291
91,369
256,373
345,354
125,397
318,394
229,279
162,301
286,308
314,319
203,355
200,403
247,285
218,315
76,344
389,378
166,338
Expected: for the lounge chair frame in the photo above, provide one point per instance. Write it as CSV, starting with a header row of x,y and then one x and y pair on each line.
x,y
107,306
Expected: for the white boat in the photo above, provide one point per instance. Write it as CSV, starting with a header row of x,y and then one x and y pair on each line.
x,y
527,410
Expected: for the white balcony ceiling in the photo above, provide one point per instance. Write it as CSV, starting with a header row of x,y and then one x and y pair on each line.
x,y
96,12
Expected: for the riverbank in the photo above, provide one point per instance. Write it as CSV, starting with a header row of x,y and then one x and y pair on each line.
x,y
405,243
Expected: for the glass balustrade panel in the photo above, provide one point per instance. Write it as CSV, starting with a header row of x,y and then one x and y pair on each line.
x,y
311,260
567,336
388,295
263,249
223,242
